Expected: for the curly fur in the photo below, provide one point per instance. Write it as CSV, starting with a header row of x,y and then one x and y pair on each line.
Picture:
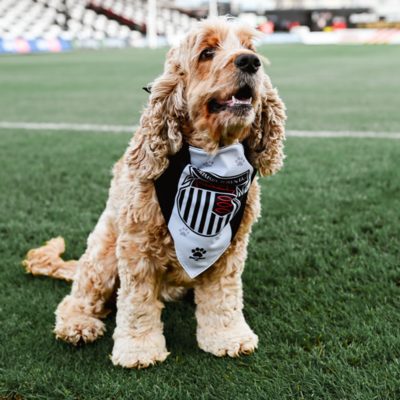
x,y
131,247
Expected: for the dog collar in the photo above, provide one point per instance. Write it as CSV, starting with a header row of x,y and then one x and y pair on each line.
x,y
202,198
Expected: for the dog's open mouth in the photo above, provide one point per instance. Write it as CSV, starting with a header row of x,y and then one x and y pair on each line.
x,y
239,103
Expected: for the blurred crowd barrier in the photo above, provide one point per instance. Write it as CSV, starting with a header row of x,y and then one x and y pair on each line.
x,y
343,36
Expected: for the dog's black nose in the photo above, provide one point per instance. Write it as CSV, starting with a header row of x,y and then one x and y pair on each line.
x,y
248,63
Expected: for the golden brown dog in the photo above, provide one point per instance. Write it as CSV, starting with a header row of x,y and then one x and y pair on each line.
x,y
192,102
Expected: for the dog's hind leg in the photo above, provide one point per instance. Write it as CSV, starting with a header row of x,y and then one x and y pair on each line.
x,y
46,260
78,314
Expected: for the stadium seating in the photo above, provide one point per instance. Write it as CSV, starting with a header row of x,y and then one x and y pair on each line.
x,y
82,19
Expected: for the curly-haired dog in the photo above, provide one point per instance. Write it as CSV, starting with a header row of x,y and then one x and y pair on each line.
x,y
190,103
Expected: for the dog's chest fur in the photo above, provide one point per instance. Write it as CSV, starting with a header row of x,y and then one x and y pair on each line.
x,y
137,206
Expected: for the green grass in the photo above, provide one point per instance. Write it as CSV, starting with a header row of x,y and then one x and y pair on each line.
x,y
321,284
324,87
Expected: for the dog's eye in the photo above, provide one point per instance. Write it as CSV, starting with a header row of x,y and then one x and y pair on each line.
x,y
207,54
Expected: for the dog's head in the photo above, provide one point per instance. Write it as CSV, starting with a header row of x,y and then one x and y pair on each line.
x,y
213,92
224,85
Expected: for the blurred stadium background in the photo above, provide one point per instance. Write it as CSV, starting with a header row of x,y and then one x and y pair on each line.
x,y
56,25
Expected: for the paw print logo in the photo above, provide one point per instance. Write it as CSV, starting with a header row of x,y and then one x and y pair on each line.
x,y
198,254
239,161
217,238
184,231
208,163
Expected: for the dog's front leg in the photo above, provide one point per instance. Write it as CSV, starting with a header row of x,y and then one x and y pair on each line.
x,y
222,328
139,339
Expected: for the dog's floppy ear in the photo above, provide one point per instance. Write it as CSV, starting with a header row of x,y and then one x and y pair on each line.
x,y
159,134
264,144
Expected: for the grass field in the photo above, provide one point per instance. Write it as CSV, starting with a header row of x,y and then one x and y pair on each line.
x,y
324,87
321,284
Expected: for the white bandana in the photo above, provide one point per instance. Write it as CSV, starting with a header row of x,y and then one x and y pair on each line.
x,y
202,198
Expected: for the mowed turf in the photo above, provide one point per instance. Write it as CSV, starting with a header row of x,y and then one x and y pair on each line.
x,y
324,87
321,283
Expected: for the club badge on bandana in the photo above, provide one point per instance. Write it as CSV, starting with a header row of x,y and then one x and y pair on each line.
x,y
202,198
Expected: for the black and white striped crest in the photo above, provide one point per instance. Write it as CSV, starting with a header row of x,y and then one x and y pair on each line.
x,y
208,202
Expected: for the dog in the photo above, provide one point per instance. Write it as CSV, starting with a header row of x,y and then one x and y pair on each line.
x,y
213,95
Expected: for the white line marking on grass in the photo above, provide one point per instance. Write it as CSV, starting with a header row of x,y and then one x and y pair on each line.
x,y
68,127
134,128
330,134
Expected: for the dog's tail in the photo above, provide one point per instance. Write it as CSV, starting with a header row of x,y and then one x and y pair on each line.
x,y
46,260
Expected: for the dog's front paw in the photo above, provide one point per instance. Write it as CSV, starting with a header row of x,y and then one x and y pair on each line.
x,y
77,327
73,324
139,353
232,341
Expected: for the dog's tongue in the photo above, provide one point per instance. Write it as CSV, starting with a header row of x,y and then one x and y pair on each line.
x,y
234,101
